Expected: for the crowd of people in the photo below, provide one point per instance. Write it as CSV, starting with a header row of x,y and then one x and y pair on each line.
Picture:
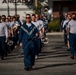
x,y
69,30
31,35
28,34
9,30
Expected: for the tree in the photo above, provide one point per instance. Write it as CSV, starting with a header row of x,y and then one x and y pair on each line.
x,y
38,7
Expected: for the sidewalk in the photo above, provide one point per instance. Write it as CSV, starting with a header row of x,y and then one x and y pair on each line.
x,y
55,33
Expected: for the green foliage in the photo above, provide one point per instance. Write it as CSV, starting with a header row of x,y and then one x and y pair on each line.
x,y
54,26
38,8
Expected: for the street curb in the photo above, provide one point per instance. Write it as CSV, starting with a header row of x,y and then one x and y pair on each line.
x,y
55,33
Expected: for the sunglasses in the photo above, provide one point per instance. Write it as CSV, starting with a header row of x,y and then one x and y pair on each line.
x,y
27,17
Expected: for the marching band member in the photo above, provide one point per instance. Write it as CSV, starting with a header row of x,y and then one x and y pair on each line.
x,y
14,31
3,37
28,32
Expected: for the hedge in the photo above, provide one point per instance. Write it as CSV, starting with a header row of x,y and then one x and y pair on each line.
x,y
54,26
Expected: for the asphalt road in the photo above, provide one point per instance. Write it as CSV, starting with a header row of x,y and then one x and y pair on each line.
x,y
53,60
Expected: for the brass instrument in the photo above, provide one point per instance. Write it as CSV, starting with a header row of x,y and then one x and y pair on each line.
x,y
10,43
16,25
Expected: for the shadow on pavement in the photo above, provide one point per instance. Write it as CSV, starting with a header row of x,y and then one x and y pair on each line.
x,y
55,65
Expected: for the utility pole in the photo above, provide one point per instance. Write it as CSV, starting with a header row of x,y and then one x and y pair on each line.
x,y
36,3
8,7
15,7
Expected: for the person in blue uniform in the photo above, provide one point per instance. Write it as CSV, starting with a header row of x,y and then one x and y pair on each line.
x,y
14,30
64,30
40,26
27,35
3,37
38,40
71,31
37,44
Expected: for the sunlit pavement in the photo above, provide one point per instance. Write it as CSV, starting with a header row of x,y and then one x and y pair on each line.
x,y
53,60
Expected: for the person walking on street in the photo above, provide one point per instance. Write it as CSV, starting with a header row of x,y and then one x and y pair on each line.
x,y
3,37
38,41
65,24
27,35
72,34
40,27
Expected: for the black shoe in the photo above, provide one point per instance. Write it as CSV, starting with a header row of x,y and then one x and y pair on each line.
x,y
68,49
28,68
2,57
72,56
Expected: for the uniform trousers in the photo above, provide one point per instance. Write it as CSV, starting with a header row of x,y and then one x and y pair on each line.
x,y
65,38
29,53
2,45
72,39
38,46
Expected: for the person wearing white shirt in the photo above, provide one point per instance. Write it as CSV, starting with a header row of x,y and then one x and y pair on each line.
x,y
40,25
14,31
65,24
38,41
72,34
3,38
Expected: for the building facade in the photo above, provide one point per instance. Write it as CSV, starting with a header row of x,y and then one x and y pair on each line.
x,y
58,7
61,7
12,7
21,7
